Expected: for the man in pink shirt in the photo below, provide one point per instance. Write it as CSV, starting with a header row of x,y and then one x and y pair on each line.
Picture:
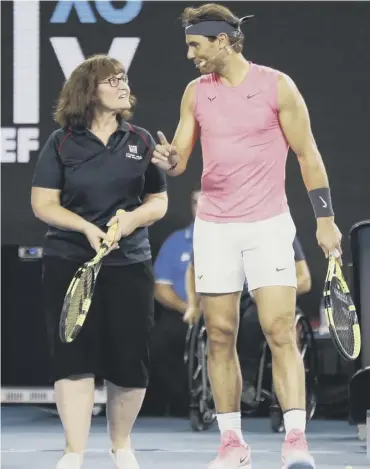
x,y
247,117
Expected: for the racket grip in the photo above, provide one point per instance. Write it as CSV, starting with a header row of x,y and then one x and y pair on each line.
x,y
112,229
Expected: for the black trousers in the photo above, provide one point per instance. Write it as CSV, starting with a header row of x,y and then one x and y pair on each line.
x,y
114,341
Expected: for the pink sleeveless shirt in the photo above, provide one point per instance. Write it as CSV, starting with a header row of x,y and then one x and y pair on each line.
x,y
244,149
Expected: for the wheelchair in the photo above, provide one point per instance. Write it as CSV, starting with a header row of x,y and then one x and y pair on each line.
x,y
202,408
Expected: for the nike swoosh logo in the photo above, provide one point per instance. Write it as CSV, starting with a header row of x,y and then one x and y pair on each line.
x,y
200,276
252,95
324,204
279,270
244,459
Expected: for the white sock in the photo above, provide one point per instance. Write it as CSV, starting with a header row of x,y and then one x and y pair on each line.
x,y
230,421
295,419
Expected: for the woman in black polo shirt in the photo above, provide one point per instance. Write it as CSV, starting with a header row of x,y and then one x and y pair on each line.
x,y
95,164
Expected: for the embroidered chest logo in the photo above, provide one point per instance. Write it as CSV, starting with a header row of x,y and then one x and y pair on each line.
x,y
133,153
211,99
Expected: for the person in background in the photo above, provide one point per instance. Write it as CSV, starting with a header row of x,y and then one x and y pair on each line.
x,y
169,333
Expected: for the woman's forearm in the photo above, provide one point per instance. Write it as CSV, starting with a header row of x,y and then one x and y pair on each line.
x,y
55,215
153,209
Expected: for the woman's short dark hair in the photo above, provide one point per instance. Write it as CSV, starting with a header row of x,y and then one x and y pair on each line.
x,y
78,98
214,12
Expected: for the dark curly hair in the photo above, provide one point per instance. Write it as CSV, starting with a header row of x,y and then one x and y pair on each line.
x,y
78,98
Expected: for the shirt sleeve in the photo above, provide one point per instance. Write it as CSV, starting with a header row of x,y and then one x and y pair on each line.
x,y
49,169
155,178
298,251
163,264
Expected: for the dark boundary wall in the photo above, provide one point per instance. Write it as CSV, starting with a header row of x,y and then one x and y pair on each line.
x,y
322,46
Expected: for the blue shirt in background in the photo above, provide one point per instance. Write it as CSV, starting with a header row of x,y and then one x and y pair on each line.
x,y
173,258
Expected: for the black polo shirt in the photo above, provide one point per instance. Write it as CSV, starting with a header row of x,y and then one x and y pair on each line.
x,y
95,181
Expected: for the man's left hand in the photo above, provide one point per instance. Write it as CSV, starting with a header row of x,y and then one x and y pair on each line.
x,y
329,237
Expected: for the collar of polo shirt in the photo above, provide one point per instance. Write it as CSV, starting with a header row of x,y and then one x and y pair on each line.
x,y
122,125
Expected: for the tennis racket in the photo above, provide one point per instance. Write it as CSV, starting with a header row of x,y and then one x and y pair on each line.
x,y
79,295
341,313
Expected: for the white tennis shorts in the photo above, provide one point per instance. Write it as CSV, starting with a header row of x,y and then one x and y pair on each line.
x,y
227,253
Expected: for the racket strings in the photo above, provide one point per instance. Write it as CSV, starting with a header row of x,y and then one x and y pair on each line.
x,y
82,292
344,319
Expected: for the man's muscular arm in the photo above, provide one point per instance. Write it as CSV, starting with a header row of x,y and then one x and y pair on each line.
x,y
176,154
187,130
295,123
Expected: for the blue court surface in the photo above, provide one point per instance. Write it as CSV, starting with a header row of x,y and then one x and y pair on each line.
x,y
33,439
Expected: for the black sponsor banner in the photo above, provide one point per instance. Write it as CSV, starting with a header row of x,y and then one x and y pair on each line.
x,y
322,46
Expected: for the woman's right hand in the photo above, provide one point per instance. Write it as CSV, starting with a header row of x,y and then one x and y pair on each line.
x,y
94,235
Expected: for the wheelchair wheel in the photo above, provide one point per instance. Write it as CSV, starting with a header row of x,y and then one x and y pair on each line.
x,y
307,347
201,421
202,410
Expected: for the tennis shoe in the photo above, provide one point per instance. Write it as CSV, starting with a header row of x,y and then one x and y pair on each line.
x,y
70,461
124,459
295,453
233,453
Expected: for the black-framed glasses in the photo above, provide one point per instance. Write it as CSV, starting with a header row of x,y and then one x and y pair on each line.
x,y
114,81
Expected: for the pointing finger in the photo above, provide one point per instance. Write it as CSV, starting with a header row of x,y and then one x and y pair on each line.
x,y
162,138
